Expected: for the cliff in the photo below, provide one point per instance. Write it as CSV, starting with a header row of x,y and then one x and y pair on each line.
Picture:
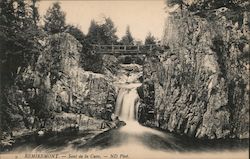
x,y
56,85
200,84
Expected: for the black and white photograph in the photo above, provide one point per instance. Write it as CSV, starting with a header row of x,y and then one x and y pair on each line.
x,y
124,79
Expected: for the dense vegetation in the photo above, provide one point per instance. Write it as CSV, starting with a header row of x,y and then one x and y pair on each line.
x,y
20,47
204,5
23,39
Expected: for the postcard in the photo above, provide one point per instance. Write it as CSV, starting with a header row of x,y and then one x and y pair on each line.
x,y
124,79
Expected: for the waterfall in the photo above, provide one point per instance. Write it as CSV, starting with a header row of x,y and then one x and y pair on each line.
x,y
127,102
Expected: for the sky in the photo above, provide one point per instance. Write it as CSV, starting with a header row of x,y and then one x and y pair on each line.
x,y
143,16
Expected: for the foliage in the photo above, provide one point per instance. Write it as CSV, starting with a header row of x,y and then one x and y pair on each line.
x,y
20,47
76,32
127,39
215,4
103,34
54,19
150,39
173,2
107,32
35,14
210,4
19,34
93,35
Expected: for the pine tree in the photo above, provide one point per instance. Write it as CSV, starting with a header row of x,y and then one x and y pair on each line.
x,y
93,35
173,2
35,13
150,39
18,33
76,32
104,34
127,39
54,19
19,47
101,34
108,32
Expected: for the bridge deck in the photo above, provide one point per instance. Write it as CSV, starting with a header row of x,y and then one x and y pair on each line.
x,y
125,49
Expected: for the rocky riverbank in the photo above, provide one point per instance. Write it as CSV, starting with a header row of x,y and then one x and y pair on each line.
x,y
63,124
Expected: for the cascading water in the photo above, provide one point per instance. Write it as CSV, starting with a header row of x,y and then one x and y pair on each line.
x,y
128,100
127,103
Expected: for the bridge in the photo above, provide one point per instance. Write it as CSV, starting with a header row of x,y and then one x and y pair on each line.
x,y
125,49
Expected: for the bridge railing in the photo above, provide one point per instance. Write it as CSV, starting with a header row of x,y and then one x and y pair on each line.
x,y
124,48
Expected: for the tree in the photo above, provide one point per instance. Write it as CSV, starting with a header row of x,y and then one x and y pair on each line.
x,y
127,39
54,19
19,47
108,32
18,33
76,32
35,14
89,61
171,3
150,39
93,35
210,4
103,34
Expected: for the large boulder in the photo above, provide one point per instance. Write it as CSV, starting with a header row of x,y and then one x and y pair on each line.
x,y
74,89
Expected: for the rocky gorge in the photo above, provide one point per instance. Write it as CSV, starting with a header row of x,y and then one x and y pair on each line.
x,y
194,86
200,84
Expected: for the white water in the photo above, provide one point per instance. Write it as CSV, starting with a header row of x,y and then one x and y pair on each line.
x,y
127,102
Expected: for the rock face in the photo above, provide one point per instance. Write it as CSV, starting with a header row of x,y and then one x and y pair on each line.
x,y
76,89
200,84
56,83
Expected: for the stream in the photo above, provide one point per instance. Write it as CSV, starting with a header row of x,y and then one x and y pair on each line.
x,y
134,140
